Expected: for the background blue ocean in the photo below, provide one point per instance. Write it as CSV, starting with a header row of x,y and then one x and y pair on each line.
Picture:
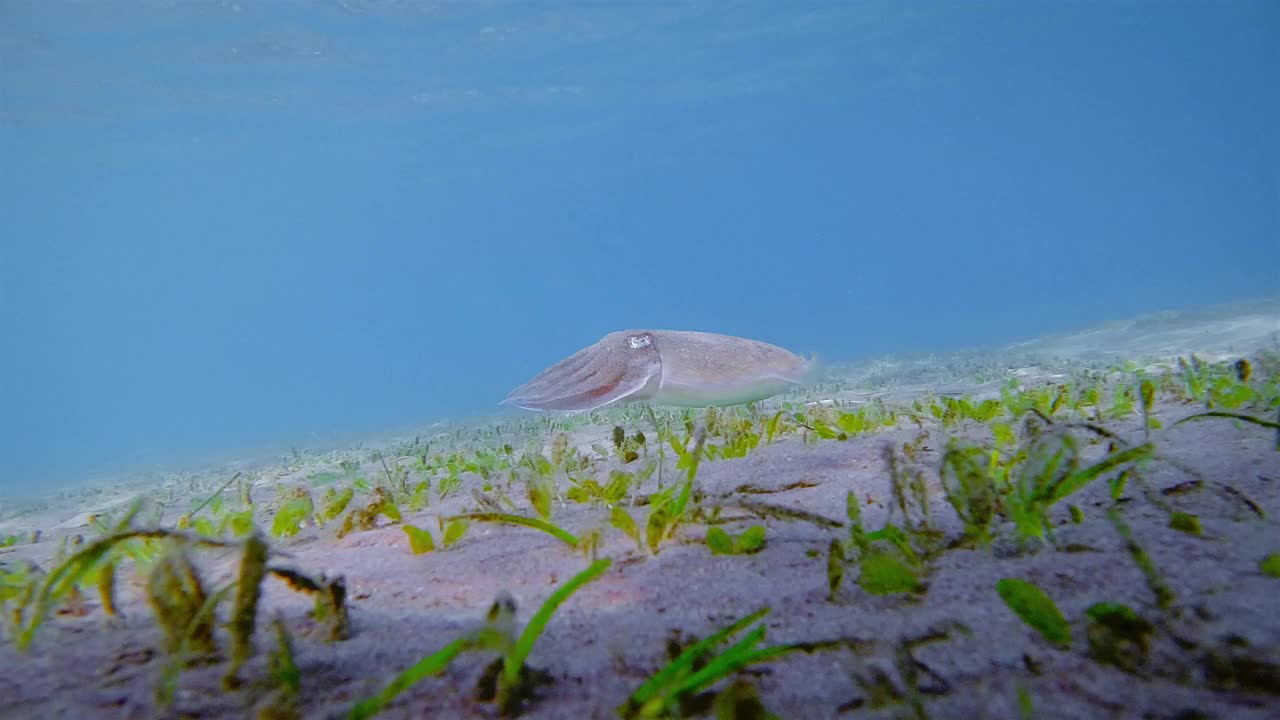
x,y
230,224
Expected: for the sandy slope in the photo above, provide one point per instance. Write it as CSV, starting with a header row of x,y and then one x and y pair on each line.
x,y
612,634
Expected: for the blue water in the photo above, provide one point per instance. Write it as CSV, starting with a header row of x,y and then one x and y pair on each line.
x,y
230,224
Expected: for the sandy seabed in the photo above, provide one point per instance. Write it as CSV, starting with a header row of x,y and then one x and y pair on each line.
x,y
953,649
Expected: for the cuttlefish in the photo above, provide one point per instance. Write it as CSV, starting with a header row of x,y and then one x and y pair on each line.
x,y
663,367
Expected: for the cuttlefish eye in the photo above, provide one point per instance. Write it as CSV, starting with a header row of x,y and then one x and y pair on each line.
x,y
639,341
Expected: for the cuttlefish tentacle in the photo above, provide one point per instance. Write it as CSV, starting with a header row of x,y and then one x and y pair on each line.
x,y
666,367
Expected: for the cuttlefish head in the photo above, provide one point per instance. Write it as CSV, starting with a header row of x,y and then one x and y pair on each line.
x,y
666,367
621,365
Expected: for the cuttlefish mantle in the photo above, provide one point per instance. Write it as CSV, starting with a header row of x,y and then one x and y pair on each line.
x,y
663,367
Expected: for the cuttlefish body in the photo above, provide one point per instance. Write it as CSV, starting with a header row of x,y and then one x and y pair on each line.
x,y
664,367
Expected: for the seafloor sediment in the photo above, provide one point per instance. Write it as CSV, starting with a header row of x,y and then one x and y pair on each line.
x,y
1039,532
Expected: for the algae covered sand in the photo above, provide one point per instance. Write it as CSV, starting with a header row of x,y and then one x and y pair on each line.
x,y
1081,526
